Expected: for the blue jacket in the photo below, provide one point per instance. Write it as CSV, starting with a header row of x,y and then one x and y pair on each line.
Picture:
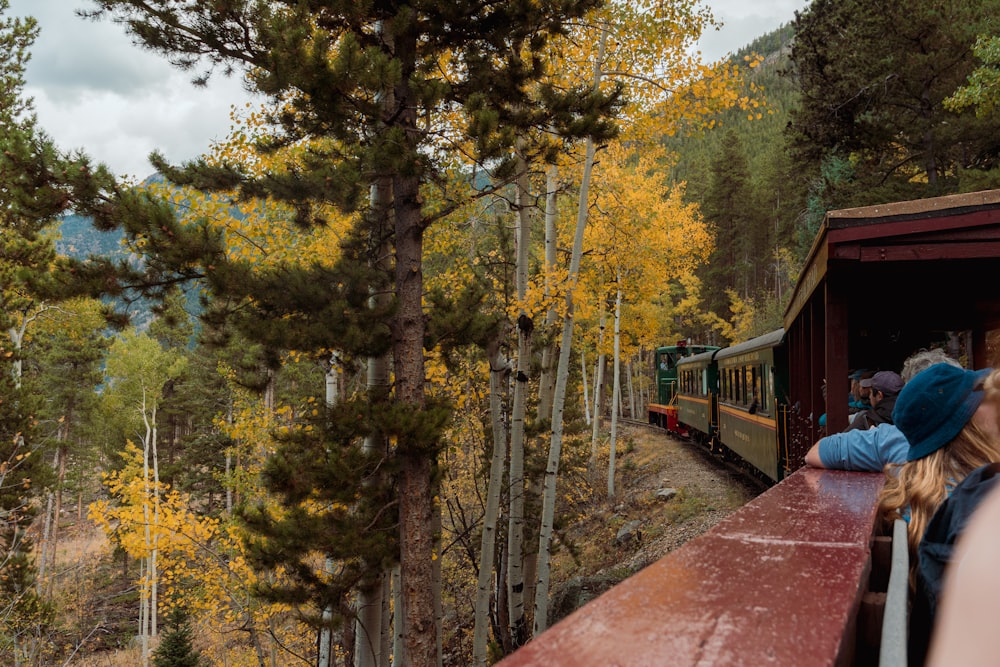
x,y
866,450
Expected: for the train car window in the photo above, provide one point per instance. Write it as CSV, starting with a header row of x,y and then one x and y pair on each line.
x,y
704,383
765,394
753,387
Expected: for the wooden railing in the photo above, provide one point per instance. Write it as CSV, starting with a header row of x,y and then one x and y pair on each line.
x,y
785,580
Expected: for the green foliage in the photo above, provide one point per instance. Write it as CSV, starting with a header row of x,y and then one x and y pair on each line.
x,y
982,90
874,77
316,472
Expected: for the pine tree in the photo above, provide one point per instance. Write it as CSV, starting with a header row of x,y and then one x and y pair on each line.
x,y
874,76
726,208
357,85
176,648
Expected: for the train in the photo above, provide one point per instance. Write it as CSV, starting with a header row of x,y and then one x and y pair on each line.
x,y
734,401
662,410
760,401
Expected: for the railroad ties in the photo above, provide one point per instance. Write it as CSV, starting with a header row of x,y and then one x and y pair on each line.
x,y
788,579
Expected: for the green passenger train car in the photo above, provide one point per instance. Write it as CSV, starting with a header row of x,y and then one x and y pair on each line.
x,y
697,379
752,402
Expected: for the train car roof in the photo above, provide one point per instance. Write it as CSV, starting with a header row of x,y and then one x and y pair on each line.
x,y
767,340
697,358
881,282
953,227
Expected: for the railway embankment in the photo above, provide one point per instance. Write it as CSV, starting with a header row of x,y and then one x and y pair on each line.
x,y
668,492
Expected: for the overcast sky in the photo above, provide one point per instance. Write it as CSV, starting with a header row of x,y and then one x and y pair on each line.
x,y
94,90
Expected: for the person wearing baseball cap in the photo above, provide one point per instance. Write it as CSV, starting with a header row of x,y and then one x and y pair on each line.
x,y
883,388
870,450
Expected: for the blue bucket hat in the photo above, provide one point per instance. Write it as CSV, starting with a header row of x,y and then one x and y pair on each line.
x,y
935,405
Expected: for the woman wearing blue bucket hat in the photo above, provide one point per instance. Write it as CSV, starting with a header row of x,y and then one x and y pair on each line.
x,y
949,418
951,431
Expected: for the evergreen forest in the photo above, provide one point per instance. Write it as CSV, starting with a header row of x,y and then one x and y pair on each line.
x,y
329,394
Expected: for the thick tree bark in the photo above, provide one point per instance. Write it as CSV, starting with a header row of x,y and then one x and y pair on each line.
x,y
416,502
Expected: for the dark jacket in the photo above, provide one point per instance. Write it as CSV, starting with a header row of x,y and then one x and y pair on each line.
x,y
880,414
935,550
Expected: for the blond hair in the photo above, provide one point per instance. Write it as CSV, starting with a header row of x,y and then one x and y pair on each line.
x,y
922,485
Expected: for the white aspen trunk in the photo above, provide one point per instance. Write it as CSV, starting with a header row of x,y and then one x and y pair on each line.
x,y
515,515
631,390
385,641
595,431
546,384
562,378
144,613
499,368
616,391
57,509
368,627
154,597
229,487
586,389
43,547
324,650
145,610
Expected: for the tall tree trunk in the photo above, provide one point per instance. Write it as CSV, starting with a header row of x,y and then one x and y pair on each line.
x,y
515,527
595,431
546,382
43,547
154,597
368,628
562,379
586,389
324,651
53,545
398,640
631,390
499,368
417,464
616,391
385,641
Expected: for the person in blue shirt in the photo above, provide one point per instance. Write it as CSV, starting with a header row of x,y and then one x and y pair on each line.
x,y
870,450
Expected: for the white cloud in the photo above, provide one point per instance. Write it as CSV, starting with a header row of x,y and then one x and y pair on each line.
x,y
743,22
96,91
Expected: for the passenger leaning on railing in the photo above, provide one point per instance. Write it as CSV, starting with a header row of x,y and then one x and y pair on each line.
x,y
951,424
871,449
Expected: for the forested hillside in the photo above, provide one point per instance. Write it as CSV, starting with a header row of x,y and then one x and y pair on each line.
x,y
428,267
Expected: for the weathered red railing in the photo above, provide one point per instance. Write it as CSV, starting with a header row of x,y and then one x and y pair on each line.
x,y
785,580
